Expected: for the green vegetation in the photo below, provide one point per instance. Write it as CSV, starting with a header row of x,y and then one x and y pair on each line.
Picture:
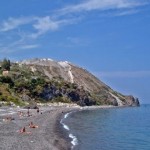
x,y
6,64
62,99
6,96
23,85
7,80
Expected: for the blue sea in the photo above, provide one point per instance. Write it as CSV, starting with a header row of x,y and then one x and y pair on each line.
x,y
109,129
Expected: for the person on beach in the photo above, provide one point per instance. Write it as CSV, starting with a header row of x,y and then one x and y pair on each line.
x,y
31,125
8,118
28,113
38,111
20,113
23,130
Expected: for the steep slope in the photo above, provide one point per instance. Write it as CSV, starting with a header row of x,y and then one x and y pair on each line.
x,y
67,71
95,91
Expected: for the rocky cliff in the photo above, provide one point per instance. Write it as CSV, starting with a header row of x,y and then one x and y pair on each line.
x,y
46,80
86,88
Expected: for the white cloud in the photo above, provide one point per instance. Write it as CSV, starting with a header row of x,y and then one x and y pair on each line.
x,y
44,25
41,24
126,12
37,26
124,74
29,46
90,5
13,23
76,41
16,46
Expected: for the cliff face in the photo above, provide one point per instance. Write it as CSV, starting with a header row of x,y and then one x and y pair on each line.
x,y
88,90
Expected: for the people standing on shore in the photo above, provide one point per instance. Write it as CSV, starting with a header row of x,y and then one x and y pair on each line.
x,y
28,113
38,110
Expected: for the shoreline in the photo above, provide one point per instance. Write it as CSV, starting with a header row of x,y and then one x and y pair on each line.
x,y
50,135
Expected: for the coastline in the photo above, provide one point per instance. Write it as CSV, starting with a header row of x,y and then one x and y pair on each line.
x,y
49,135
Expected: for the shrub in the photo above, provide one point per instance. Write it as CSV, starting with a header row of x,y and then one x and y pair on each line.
x,y
6,64
61,99
6,79
3,98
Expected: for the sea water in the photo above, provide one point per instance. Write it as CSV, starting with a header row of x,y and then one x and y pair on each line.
x,y
110,129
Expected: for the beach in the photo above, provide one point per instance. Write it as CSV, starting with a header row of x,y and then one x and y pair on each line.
x,y
48,136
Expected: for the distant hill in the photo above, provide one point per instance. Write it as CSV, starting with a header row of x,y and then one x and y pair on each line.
x,y
46,80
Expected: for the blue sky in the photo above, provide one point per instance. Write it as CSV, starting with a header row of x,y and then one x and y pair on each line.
x,y
110,38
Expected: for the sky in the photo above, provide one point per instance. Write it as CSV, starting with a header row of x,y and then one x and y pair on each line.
x,y
110,38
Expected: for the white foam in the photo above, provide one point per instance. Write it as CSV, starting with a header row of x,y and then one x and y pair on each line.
x,y
74,141
66,115
66,127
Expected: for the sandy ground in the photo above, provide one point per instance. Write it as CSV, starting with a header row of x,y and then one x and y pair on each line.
x,y
48,136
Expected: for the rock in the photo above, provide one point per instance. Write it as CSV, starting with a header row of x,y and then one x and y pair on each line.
x,y
131,101
66,82
74,96
26,98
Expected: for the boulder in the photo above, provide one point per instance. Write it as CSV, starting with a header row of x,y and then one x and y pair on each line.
x,y
131,101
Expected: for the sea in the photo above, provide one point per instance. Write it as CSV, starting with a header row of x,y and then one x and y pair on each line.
x,y
125,128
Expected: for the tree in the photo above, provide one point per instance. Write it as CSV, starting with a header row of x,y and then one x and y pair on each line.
x,y
6,64
7,80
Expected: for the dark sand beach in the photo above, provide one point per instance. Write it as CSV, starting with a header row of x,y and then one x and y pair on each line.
x,y
48,136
